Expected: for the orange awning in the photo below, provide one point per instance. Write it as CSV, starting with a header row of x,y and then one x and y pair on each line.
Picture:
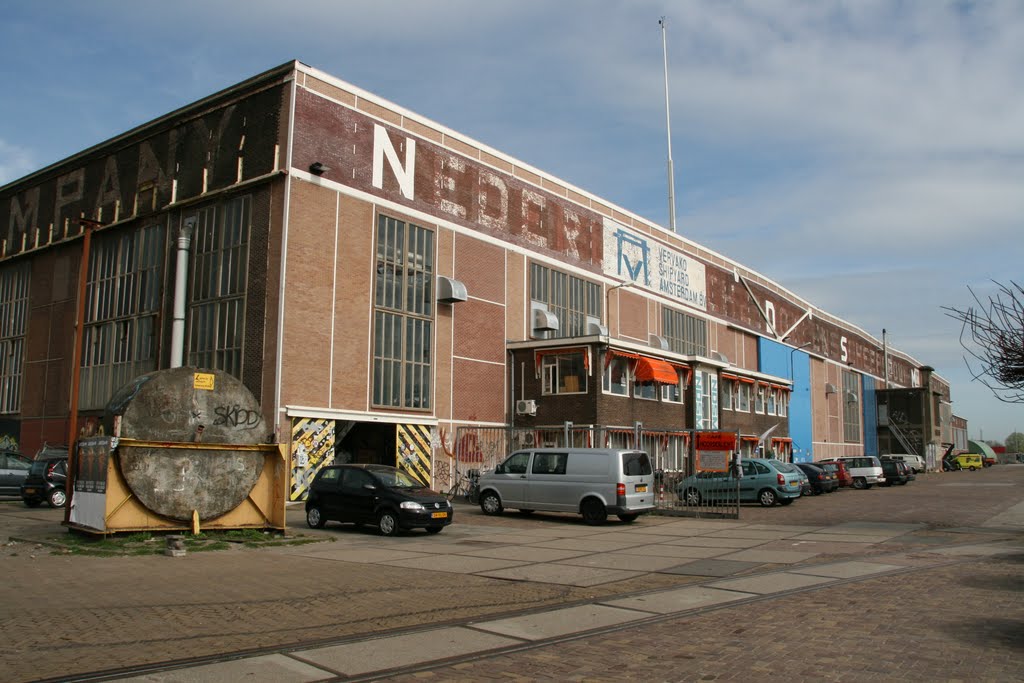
x,y
654,370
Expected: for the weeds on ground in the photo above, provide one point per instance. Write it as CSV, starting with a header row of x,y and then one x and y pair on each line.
x,y
147,543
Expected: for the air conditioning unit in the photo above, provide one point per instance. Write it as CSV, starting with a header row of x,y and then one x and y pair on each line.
x,y
526,407
595,328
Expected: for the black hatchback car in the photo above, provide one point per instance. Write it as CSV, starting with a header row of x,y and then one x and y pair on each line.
x,y
46,480
820,479
375,494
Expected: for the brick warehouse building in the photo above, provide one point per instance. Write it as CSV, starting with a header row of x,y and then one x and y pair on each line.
x,y
378,281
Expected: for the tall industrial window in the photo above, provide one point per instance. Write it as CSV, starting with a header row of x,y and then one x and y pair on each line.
x,y
686,334
569,298
13,314
122,302
851,407
403,315
220,256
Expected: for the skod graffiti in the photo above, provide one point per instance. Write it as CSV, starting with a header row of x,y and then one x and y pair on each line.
x,y
312,448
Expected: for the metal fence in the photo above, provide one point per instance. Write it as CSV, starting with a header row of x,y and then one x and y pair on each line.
x,y
670,450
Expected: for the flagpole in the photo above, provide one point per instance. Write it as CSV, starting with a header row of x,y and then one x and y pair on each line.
x,y
668,129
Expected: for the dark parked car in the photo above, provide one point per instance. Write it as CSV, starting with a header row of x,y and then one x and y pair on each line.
x,y
821,480
838,468
896,472
375,494
13,470
47,479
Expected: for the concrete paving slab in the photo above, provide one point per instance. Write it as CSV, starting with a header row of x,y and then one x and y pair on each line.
x,y
862,527
677,551
753,534
560,622
524,553
513,539
263,669
593,546
817,547
427,547
622,560
847,570
562,574
847,537
769,556
678,599
715,542
363,555
791,529
914,539
458,564
688,524
771,583
710,567
628,538
980,550
667,531
378,654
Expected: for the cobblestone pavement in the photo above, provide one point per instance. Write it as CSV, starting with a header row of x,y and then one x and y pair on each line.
x,y
64,615
955,623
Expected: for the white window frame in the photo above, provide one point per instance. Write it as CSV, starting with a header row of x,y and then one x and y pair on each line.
x,y
627,374
552,375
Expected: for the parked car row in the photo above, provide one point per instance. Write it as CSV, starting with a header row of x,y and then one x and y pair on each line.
x,y
770,481
36,480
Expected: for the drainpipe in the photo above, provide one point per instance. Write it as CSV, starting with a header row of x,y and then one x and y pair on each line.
x,y
180,278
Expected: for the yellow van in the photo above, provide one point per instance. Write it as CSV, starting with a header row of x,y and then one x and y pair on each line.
x,y
969,461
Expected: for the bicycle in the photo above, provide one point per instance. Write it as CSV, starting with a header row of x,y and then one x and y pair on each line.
x,y
466,484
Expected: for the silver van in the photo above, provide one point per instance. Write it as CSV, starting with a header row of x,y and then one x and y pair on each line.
x,y
914,462
590,481
866,470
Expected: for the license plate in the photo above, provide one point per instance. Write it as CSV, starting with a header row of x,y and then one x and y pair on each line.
x,y
439,515
641,488
30,490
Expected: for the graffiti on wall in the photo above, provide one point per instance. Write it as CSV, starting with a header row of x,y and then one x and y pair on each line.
x,y
413,444
312,448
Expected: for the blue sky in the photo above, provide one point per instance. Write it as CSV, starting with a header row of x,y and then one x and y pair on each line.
x,y
867,155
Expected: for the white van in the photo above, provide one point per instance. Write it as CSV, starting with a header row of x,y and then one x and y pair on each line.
x,y
590,481
866,470
914,462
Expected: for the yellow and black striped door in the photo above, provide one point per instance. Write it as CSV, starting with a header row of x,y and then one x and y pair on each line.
x,y
413,456
312,448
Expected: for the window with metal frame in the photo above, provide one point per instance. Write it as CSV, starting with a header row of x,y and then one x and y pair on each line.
x,y
571,299
617,377
13,316
673,393
403,316
220,257
686,334
564,373
728,389
122,304
851,407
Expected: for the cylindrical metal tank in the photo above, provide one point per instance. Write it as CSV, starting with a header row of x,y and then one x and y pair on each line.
x,y
187,421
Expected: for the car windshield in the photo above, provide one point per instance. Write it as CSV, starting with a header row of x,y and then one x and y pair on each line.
x,y
397,479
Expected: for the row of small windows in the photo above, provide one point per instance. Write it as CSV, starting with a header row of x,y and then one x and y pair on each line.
x,y
746,396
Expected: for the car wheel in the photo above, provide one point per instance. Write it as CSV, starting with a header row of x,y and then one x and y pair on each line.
x,y
32,502
692,497
434,529
490,504
387,522
58,498
628,518
767,498
315,518
593,512
972,468
859,483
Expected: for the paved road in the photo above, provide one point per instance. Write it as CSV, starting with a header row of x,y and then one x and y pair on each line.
x,y
928,586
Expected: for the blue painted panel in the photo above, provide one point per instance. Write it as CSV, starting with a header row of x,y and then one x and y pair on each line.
x,y
870,415
784,361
